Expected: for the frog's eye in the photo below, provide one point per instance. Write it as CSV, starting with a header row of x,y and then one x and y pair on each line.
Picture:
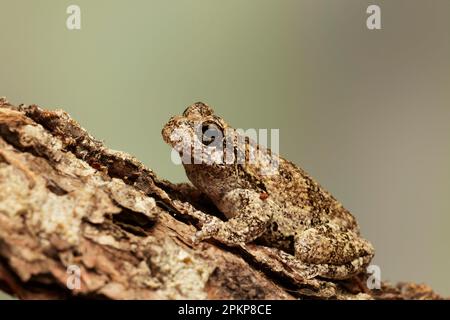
x,y
211,133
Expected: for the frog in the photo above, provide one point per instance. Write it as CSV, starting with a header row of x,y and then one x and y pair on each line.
x,y
264,198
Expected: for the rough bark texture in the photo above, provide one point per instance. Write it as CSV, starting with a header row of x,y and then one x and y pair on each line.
x,y
67,200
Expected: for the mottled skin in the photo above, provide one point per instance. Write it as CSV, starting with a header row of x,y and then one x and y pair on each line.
x,y
285,210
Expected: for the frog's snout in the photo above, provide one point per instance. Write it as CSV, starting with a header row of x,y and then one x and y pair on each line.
x,y
168,130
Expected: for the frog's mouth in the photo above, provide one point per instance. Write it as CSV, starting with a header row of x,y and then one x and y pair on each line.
x,y
179,136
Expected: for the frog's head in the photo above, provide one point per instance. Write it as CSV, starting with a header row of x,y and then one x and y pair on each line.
x,y
198,135
202,138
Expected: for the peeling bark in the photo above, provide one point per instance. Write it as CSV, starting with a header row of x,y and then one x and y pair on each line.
x,y
67,200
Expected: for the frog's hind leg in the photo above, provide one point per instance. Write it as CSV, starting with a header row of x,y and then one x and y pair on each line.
x,y
344,271
340,254
323,270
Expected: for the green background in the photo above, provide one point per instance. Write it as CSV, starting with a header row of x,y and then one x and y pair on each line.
x,y
367,113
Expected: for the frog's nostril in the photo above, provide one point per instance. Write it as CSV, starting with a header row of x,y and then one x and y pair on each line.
x,y
167,131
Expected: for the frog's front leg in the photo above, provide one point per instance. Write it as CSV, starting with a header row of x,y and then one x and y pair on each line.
x,y
249,212
340,253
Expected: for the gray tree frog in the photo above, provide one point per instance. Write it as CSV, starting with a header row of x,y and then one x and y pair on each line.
x,y
283,208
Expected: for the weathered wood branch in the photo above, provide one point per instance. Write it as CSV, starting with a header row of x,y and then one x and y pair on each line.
x,y
68,201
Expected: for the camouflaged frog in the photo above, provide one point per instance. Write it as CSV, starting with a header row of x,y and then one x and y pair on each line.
x,y
265,198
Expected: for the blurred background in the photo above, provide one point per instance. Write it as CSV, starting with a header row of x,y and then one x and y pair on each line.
x,y
367,113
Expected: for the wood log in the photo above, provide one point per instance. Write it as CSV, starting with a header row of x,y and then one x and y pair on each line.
x,y
78,219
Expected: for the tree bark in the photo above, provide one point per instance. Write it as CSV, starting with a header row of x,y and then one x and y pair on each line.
x,y
71,209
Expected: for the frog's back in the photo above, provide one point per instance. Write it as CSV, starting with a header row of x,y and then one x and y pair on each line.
x,y
304,199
